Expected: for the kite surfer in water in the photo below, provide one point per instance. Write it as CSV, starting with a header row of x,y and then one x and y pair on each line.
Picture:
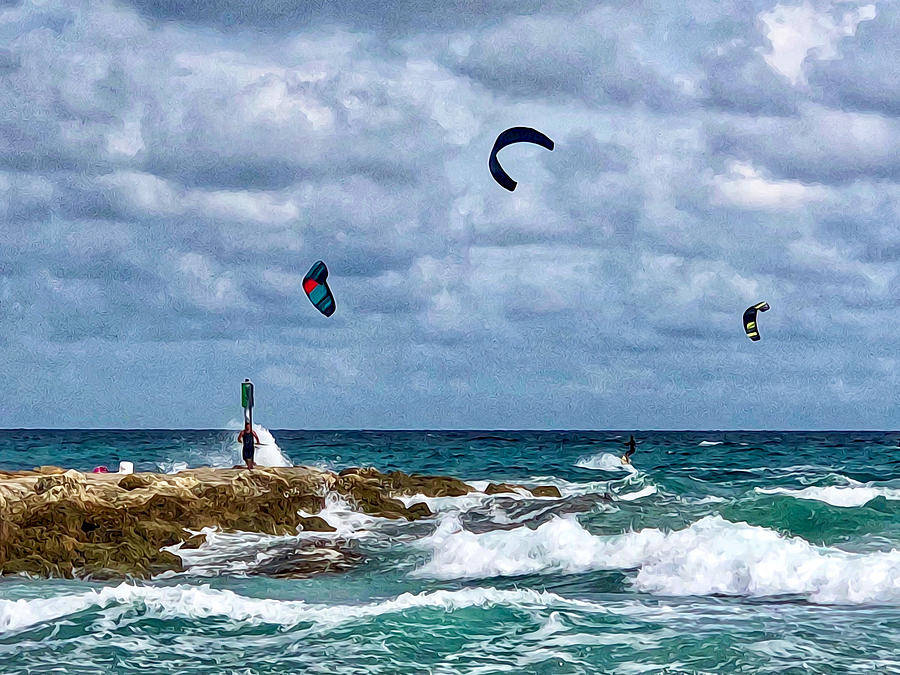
x,y
249,438
626,458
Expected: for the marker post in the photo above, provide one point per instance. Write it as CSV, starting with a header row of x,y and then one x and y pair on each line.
x,y
247,401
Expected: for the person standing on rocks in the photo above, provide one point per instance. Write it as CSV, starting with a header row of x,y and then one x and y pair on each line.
x,y
249,439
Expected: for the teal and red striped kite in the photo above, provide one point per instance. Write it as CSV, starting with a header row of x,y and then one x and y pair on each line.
x,y
317,290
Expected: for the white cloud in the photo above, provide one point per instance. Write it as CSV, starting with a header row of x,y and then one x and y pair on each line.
x,y
206,286
671,280
744,187
796,30
144,193
815,255
127,140
818,145
243,206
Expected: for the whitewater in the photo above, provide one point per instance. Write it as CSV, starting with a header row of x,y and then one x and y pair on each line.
x,y
714,552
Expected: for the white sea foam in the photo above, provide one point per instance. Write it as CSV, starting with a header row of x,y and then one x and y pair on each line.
x,y
706,444
172,467
200,602
347,521
267,452
478,501
708,499
479,498
18,614
560,545
486,503
465,502
224,553
225,452
615,487
711,556
604,461
572,489
717,556
643,492
836,495
241,552
444,504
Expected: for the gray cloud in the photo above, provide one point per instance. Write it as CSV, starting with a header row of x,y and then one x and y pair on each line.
x,y
600,63
865,77
821,145
392,17
739,80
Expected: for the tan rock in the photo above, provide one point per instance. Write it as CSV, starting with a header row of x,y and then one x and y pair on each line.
x,y
315,524
136,480
546,491
498,488
68,479
66,523
419,510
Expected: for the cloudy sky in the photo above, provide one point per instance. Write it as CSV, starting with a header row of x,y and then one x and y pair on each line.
x,y
168,175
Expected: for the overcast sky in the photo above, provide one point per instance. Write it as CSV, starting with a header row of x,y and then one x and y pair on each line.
x,y
167,176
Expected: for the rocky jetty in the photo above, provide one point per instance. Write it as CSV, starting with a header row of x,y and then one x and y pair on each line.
x,y
539,491
71,524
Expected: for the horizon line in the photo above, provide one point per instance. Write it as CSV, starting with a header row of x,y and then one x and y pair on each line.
x,y
458,430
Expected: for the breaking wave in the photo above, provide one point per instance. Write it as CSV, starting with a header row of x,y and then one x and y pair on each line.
x,y
836,495
604,461
712,556
201,602
243,552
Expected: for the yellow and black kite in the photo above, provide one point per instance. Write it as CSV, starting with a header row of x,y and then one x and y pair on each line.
x,y
750,319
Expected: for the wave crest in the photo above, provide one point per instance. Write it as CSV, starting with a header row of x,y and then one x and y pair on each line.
x,y
604,461
711,556
200,602
836,495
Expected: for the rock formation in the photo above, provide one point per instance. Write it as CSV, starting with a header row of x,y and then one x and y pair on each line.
x,y
67,523
539,491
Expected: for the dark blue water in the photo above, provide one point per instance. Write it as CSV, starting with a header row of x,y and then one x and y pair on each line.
x,y
487,454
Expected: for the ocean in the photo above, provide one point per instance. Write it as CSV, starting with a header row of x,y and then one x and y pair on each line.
x,y
720,552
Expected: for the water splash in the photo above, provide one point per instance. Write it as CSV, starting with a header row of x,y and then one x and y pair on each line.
x,y
267,452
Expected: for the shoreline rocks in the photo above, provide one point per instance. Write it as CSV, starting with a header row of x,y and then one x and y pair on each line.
x,y
537,491
71,524
62,523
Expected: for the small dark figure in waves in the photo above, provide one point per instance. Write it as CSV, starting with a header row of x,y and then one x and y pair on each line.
x,y
626,458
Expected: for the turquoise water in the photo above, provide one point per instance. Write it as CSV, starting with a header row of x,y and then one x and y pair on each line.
x,y
734,552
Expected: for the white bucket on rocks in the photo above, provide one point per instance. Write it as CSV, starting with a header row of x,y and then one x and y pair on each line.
x,y
126,467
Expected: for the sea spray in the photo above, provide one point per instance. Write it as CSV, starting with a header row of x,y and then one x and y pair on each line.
x,y
711,556
560,545
267,452
225,452
223,553
604,461
836,495
640,494
168,603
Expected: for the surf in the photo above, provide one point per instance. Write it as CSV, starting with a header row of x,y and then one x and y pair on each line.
x,y
712,556
169,603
